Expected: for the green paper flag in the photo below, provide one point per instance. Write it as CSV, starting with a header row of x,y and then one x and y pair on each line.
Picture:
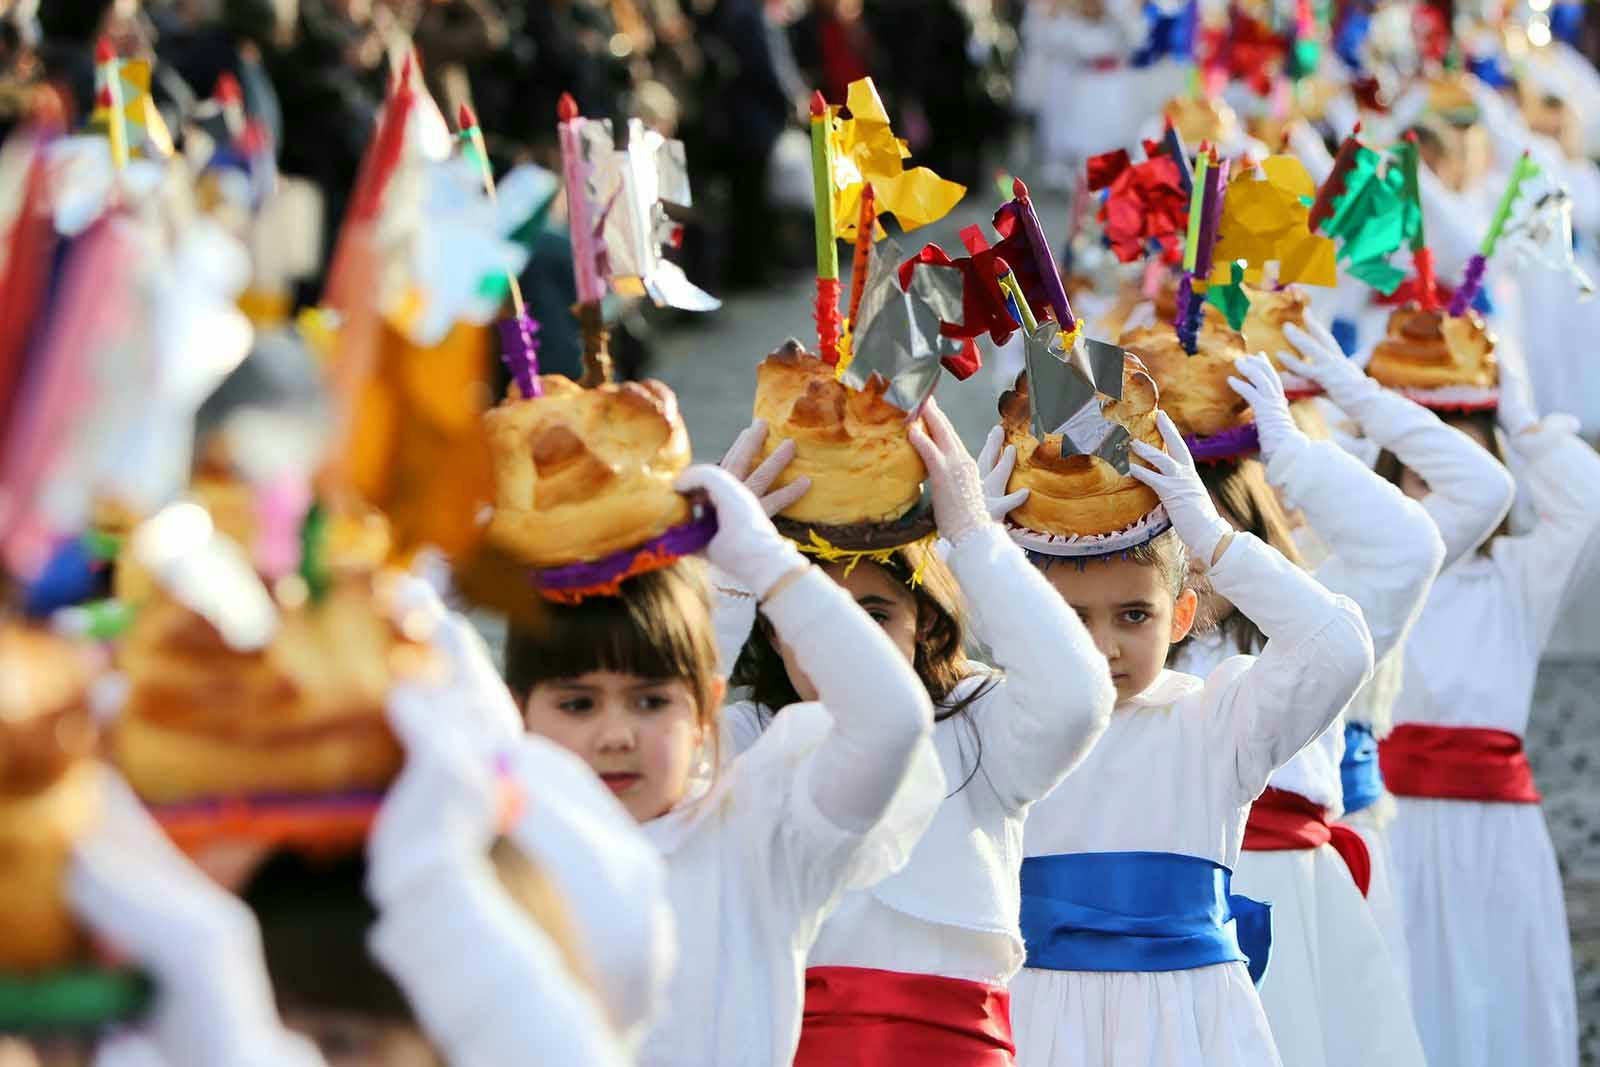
x,y
1231,299
1374,217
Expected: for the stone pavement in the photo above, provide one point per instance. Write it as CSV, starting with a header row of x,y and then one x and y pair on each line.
x,y
710,363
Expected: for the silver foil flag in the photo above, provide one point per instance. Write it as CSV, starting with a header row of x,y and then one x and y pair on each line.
x,y
896,334
629,188
1540,228
1064,399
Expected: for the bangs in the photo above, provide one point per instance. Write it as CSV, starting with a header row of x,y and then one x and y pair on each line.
x,y
658,627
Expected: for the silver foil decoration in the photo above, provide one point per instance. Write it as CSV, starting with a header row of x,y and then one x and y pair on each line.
x,y
896,333
1540,228
1064,399
629,188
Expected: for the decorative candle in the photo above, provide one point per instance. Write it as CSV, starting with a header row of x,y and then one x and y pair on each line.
x,y
575,174
1322,207
865,225
110,98
822,186
1044,261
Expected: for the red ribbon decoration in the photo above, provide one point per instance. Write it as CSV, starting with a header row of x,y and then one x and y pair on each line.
x,y
1281,821
983,302
1457,763
1246,50
1144,203
861,1017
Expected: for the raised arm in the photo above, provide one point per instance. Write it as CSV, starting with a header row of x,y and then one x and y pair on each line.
x,y
1384,550
881,713
1562,475
1318,649
1469,491
1056,697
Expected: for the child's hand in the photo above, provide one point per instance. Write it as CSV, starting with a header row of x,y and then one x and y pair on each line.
x,y
958,502
1259,384
747,546
1173,476
746,447
1321,360
995,464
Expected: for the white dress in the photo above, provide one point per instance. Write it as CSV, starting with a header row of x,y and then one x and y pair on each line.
x,y
757,857
1176,772
1491,967
1333,994
952,910
1469,493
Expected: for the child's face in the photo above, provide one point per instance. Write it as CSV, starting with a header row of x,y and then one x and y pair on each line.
x,y
890,604
1129,610
641,735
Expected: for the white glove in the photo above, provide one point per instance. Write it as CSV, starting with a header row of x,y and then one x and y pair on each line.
x,y
958,497
747,546
447,932
746,447
1515,412
996,464
1173,476
477,689
1260,385
1325,363
214,1006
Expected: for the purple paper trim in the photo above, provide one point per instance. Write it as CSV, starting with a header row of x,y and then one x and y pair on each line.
x,y
520,352
1471,282
681,540
1188,323
1237,441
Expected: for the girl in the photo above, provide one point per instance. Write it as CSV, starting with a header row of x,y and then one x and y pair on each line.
x,y
832,797
1485,920
1333,995
918,964
1133,956
1468,495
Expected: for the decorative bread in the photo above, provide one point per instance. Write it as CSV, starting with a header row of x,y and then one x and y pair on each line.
x,y
1270,311
1203,119
1080,496
303,716
1194,389
47,793
584,473
1424,351
851,444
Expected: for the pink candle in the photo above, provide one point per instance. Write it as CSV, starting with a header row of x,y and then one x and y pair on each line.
x,y
585,265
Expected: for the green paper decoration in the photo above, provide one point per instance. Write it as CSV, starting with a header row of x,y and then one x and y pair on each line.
x,y
1230,299
1374,217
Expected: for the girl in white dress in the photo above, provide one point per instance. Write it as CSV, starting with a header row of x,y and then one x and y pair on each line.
x,y
1134,941
918,964
832,797
1485,919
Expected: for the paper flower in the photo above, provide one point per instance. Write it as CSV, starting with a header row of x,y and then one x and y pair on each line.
x,y
1145,203
865,150
1265,220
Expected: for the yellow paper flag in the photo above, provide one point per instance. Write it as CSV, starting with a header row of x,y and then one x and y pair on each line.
x,y
866,150
1266,220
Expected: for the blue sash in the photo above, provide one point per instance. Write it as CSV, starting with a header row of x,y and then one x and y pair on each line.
x,y
1363,781
1138,911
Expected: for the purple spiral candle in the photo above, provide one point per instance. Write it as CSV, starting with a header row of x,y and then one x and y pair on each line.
x,y
1187,322
519,351
1471,283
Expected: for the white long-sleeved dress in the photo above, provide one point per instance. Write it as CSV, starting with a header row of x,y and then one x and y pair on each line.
x,y
1485,919
1333,993
1175,773
952,910
759,855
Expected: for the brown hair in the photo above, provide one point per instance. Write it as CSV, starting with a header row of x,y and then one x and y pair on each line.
x,y
658,626
1165,552
1240,487
940,659
1388,465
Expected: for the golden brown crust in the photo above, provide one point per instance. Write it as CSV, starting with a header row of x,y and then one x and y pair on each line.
x,y
851,444
305,715
1203,119
1270,311
1194,389
45,726
1432,350
1080,495
583,473
37,830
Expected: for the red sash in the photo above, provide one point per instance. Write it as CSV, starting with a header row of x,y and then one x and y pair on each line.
x,y
860,1017
1281,821
1457,763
